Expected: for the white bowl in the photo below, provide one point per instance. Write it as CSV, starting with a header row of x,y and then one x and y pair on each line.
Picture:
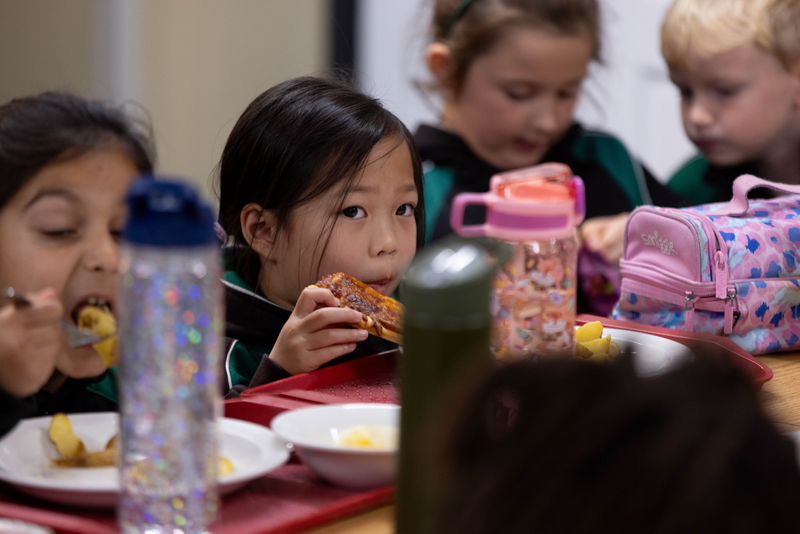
x,y
314,432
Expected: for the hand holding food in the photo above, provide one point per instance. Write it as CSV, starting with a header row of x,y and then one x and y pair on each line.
x,y
590,345
30,341
381,316
316,332
102,323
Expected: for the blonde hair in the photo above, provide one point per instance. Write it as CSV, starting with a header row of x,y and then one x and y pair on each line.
x,y
710,27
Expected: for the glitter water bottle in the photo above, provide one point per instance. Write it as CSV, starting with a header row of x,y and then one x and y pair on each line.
x,y
536,210
170,326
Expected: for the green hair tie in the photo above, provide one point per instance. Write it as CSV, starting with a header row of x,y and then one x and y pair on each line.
x,y
459,11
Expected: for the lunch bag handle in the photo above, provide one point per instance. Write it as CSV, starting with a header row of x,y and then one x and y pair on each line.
x,y
742,186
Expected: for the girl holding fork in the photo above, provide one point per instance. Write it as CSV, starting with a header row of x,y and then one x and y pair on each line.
x,y
65,166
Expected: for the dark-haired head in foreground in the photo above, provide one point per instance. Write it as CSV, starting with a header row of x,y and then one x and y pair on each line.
x,y
596,449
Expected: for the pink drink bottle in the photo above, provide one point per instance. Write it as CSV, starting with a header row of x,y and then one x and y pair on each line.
x,y
536,210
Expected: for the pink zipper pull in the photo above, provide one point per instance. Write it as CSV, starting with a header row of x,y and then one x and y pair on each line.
x,y
688,324
721,275
728,328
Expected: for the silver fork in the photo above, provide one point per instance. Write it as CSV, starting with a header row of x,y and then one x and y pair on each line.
x,y
78,337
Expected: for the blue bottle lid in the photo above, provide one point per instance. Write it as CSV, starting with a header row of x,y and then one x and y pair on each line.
x,y
167,213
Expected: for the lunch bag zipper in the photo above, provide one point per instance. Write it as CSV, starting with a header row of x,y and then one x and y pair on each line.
x,y
692,296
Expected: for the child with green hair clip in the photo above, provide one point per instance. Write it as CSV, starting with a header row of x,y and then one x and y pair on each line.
x,y
510,73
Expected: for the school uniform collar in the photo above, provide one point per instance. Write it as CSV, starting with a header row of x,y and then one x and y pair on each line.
x,y
449,150
249,316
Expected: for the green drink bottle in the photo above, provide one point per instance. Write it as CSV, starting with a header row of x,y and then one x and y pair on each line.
x,y
446,334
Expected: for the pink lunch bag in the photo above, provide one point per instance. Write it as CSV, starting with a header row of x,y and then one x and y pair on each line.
x,y
727,269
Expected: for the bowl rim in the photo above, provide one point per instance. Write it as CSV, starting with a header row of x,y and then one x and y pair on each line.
x,y
301,443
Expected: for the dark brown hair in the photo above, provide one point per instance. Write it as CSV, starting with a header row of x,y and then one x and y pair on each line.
x,y
293,143
38,130
483,22
596,449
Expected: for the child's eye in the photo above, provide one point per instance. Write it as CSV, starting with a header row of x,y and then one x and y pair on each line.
x,y
568,94
354,212
57,233
686,93
406,210
727,91
518,95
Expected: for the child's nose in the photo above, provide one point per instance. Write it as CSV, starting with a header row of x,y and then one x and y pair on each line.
x,y
384,240
699,113
545,116
102,254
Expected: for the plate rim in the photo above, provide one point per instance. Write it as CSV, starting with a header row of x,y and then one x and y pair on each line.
x,y
301,443
66,485
683,354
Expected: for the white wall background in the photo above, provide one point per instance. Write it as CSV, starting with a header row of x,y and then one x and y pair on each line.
x,y
630,96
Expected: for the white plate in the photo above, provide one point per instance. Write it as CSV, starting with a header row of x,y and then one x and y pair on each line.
x,y
314,432
652,355
26,451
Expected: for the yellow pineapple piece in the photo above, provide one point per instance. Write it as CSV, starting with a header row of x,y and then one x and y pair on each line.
x,y
613,351
102,323
581,352
600,357
598,346
67,443
225,466
589,332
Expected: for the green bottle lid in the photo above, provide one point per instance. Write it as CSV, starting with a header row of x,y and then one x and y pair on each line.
x,y
446,286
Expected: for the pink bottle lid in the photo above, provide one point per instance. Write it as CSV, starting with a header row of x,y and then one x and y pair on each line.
x,y
535,203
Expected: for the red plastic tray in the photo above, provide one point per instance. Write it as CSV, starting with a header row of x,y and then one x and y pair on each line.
x,y
368,379
373,378
695,340
288,500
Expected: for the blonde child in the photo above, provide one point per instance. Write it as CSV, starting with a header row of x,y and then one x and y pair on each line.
x,y
510,73
737,65
65,165
315,178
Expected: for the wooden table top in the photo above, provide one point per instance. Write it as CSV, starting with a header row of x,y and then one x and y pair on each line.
x,y
780,397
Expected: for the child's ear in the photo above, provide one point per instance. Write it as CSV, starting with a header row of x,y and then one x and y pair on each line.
x,y
439,59
258,228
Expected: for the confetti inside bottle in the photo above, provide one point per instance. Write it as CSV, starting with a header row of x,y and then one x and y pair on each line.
x,y
170,325
536,210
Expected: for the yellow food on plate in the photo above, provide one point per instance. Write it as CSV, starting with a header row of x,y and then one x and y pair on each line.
x,y
369,437
581,352
72,455
591,346
105,458
102,323
598,346
225,466
66,442
589,332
